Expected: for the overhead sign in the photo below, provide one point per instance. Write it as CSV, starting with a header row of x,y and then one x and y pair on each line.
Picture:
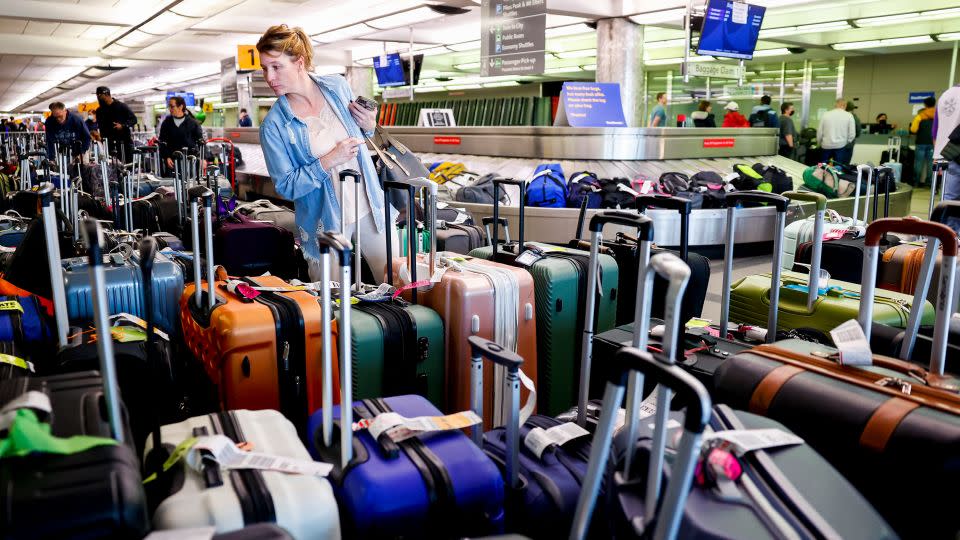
x,y
207,107
228,80
745,91
247,57
512,37
586,104
722,71
918,97
88,106
189,99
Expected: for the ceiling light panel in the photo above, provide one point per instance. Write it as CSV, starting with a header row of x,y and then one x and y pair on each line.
x,y
875,43
166,23
771,52
583,53
405,18
804,29
467,66
659,17
664,44
346,32
914,16
569,30
465,46
951,36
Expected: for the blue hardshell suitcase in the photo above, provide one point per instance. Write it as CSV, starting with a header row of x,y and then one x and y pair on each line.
x,y
439,481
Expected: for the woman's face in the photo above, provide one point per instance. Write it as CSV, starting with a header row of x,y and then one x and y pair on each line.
x,y
709,109
174,109
281,71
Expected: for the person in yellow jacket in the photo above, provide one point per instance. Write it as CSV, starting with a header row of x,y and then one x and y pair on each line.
x,y
922,127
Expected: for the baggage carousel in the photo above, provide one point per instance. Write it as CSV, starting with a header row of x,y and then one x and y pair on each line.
x,y
514,152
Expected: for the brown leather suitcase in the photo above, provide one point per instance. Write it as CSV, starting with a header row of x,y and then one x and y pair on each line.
x,y
262,352
467,302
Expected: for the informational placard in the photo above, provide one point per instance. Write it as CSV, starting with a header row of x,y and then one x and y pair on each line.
x,y
746,91
436,118
717,71
918,97
88,106
586,104
730,29
513,37
228,80
248,58
189,98
207,107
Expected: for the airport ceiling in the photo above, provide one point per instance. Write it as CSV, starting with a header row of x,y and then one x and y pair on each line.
x,y
63,49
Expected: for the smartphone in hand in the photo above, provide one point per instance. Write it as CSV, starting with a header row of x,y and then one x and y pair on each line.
x,y
366,103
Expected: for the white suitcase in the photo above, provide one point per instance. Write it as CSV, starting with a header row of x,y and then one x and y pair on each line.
x,y
302,505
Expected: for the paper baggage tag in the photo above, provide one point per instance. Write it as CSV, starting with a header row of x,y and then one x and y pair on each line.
x,y
197,533
33,399
645,187
529,257
226,454
852,345
441,205
748,440
461,218
540,439
399,428
438,274
138,322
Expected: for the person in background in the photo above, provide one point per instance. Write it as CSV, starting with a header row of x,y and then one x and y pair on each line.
x,y
178,130
658,118
945,123
65,130
22,124
835,133
883,127
856,130
922,127
115,120
314,130
788,131
733,118
245,120
703,117
91,123
763,114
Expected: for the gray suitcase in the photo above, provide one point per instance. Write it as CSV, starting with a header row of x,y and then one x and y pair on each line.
x,y
264,210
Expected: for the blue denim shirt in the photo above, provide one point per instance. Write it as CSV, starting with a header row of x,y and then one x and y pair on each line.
x,y
297,174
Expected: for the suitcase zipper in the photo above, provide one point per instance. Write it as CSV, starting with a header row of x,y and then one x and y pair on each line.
x,y
256,502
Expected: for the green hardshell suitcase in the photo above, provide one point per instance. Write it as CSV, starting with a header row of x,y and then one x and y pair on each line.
x,y
750,299
397,349
560,279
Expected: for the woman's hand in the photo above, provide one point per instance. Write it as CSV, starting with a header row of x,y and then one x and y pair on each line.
x,y
342,152
170,163
366,119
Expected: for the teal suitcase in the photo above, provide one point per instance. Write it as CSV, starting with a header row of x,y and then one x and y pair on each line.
x,y
560,279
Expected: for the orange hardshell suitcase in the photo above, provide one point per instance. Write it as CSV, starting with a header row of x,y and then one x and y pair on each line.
x,y
262,353
465,301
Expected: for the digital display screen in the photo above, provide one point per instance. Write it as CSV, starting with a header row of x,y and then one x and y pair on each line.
x,y
188,98
730,29
389,70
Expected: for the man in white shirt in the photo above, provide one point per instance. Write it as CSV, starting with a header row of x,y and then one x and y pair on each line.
x,y
945,121
837,130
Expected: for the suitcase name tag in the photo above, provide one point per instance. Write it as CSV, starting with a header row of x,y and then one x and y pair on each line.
x,y
852,345
227,455
539,439
399,428
749,440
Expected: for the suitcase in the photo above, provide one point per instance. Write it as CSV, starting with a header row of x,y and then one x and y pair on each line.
x,y
474,297
413,488
459,237
261,350
397,347
801,303
264,210
89,487
246,247
559,276
229,500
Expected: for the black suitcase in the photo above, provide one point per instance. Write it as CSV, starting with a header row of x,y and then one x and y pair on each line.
x,y
95,492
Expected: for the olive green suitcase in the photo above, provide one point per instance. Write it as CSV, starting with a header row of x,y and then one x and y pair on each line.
x,y
560,279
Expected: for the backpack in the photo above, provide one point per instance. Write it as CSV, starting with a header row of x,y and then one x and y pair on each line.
x,y
747,179
617,193
711,189
826,180
672,183
584,184
547,188
764,118
480,191
778,180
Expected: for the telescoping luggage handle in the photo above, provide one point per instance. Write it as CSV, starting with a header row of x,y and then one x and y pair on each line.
x,y
429,198
341,246
813,278
663,372
939,178
943,211
411,235
861,170
93,238
207,197
481,348
677,274
522,184
148,253
680,204
644,227
345,175
935,232
487,222
780,203
51,237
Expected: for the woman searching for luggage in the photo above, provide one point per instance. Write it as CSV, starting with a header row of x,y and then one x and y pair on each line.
x,y
313,131
178,130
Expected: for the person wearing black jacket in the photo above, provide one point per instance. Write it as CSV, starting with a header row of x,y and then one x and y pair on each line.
x,y
115,119
703,116
66,130
179,130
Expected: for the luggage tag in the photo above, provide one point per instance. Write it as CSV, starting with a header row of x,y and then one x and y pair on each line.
x,y
227,455
17,361
34,400
530,256
853,349
117,319
744,441
399,428
380,294
539,439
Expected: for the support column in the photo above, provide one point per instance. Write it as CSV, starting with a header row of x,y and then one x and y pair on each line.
x,y
620,60
360,79
245,98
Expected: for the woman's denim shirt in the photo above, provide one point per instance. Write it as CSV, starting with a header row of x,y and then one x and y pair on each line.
x,y
297,174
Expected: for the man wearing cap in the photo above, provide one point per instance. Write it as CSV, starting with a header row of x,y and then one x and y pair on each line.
x,y
733,117
115,119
